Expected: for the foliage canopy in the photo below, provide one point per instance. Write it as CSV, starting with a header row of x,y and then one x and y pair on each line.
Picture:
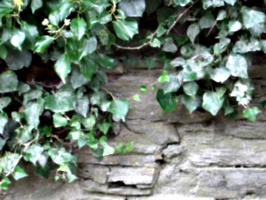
x,y
207,67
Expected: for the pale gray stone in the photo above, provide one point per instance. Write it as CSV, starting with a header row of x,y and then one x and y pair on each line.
x,y
97,173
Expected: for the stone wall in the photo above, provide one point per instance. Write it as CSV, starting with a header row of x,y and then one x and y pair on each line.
x,y
176,155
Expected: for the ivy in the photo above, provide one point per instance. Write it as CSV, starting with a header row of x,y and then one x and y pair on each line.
x,y
72,42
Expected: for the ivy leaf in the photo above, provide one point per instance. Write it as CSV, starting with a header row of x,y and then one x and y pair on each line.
x,y
8,82
251,113
19,173
104,127
89,47
33,111
192,31
3,52
88,68
35,5
164,77
59,120
133,8
212,102
237,65
78,27
4,102
3,121
191,88
62,67
151,6
119,108
191,103
219,75
107,150
136,97
168,101
77,79
252,17
82,106
207,20
18,59
125,29
155,43
172,85
234,25
231,2
89,122
42,43
169,45
17,39
4,183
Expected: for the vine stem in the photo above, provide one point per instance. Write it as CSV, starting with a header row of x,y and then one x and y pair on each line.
x,y
179,16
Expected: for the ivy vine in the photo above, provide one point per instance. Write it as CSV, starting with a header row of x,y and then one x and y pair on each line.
x,y
53,59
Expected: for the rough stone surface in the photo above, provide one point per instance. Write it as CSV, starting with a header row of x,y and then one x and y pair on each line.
x,y
176,155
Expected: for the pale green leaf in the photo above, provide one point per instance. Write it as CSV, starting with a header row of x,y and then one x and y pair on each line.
x,y
78,27
192,31
132,8
126,29
119,108
63,67
237,65
212,102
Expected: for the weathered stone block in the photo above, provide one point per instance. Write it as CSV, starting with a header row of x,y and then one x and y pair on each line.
x,y
97,173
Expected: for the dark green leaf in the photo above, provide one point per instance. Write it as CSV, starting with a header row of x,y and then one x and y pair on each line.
x,y
104,127
119,108
5,181
88,68
152,5
82,106
77,79
89,47
103,60
126,29
18,59
8,82
133,8
168,101
78,26
251,113
3,52
42,43
63,67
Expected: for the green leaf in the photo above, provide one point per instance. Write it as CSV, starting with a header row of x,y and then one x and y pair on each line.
x,y
4,183
88,68
60,12
221,15
143,89
169,45
191,103
234,25
251,113
168,101
191,88
179,61
89,47
34,153
132,8
63,67
104,127
107,150
172,85
151,63
77,79
18,59
237,65
136,97
62,101
252,17
192,31
44,171
78,27
3,121
221,47
19,173
17,39
126,29
219,75
35,5
33,111
89,122
82,106
231,2
212,102
42,43
119,108
155,43
103,60
4,102
3,52
151,6
59,120
8,82
164,77
207,20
